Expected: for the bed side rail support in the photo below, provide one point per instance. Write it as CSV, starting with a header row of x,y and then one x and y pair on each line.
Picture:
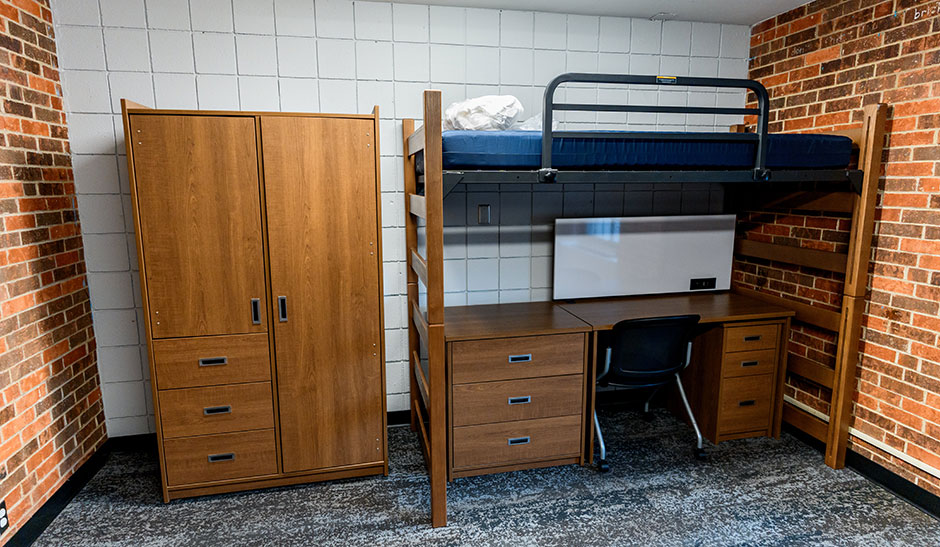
x,y
760,171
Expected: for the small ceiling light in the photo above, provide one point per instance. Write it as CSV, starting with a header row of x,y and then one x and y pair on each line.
x,y
663,16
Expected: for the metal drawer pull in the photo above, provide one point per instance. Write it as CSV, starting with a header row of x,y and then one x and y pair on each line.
x,y
213,361
255,311
518,440
522,358
752,338
520,400
213,458
282,309
214,410
749,363
749,402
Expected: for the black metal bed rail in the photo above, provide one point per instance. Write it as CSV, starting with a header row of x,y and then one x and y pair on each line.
x,y
759,171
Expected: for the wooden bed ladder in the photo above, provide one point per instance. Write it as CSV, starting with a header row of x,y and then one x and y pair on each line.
x,y
854,265
426,332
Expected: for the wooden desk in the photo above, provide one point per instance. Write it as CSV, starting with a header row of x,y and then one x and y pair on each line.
x,y
735,380
520,377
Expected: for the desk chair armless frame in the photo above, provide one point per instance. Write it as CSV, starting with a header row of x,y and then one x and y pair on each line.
x,y
648,353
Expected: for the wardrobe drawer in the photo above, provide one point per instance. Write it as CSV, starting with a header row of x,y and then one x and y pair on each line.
x,y
517,399
210,458
521,357
219,409
211,360
751,337
515,442
748,363
745,403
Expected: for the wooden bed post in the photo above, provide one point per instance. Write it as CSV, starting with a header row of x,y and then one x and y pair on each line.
x,y
856,283
427,388
434,194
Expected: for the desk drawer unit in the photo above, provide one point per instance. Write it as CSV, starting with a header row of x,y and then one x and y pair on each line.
x,y
521,357
217,409
734,379
211,360
517,442
209,458
516,402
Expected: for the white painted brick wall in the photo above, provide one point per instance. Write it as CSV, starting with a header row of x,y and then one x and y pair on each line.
x,y
343,56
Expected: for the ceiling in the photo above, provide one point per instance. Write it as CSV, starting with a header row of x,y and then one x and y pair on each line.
x,y
742,12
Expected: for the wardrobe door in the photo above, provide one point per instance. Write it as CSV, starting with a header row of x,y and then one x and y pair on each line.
x,y
200,221
320,192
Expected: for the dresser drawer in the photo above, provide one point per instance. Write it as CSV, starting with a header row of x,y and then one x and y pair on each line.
x,y
751,337
211,360
516,442
749,363
218,409
511,400
745,403
514,358
210,458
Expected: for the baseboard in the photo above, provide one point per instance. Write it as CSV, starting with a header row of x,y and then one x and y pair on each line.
x,y
899,486
399,417
37,524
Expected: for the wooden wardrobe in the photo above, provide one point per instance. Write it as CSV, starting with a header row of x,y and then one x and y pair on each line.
x,y
259,245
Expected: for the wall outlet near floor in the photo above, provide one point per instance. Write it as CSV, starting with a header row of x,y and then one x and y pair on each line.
x,y
4,517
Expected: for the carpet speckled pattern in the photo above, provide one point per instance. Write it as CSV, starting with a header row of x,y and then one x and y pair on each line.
x,y
749,492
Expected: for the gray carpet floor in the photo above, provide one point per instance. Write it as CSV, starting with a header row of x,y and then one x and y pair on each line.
x,y
749,492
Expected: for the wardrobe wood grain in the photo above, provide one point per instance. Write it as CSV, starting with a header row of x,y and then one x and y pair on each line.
x,y
323,245
200,222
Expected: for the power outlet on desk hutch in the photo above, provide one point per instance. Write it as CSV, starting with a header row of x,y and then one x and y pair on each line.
x,y
702,284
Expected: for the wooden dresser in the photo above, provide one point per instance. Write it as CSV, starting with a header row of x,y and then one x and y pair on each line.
x,y
517,379
259,244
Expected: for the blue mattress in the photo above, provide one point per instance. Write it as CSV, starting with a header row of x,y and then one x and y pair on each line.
x,y
493,150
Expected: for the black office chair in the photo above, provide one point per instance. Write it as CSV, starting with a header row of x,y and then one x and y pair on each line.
x,y
648,353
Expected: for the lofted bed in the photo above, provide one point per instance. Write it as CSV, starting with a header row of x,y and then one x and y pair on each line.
x,y
833,172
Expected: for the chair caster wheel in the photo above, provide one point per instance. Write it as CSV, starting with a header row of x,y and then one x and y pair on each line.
x,y
603,466
700,454
648,416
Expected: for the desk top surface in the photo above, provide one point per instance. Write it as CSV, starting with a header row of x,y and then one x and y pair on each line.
x,y
722,307
505,320
534,318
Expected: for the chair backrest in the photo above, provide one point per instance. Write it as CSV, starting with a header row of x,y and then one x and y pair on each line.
x,y
649,351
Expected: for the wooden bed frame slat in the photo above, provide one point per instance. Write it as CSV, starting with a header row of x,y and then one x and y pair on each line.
x,y
833,262
416,141
806,313
422,379
420,323
805,421
835,202
419,206
420,266
811,370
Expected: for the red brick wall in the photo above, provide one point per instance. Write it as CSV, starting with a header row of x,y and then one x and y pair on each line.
x,y
51,416
821,63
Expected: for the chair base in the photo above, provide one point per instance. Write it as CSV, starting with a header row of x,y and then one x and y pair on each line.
x,y
603,466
